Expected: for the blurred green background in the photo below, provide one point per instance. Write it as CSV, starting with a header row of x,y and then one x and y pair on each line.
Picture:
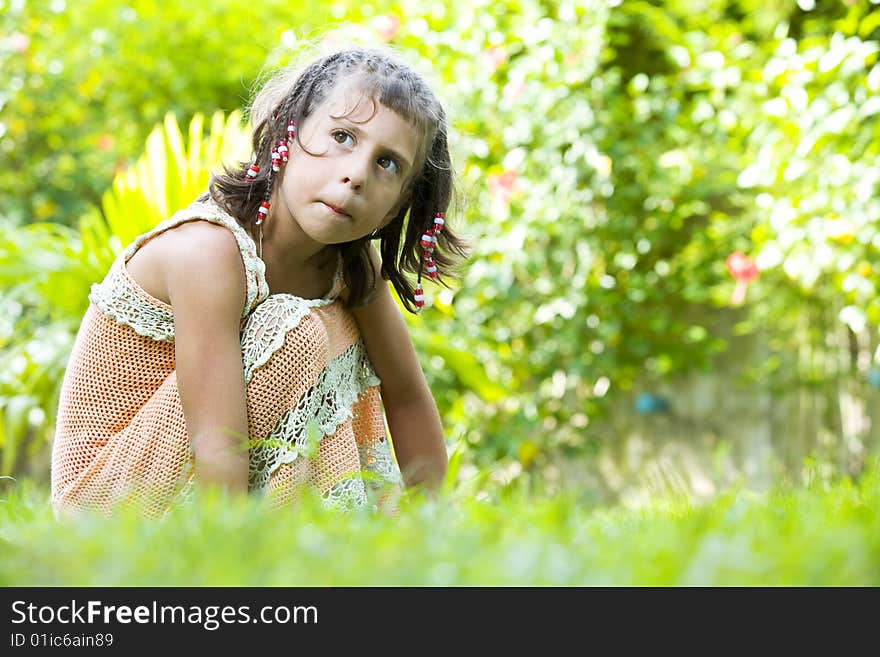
x,y
612,157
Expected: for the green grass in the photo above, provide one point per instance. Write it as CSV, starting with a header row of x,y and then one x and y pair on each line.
x,y
823,536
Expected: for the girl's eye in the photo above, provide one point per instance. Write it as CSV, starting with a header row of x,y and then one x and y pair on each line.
x,y
342,137
388,164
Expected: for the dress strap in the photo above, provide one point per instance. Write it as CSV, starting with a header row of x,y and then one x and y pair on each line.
x,y
255,269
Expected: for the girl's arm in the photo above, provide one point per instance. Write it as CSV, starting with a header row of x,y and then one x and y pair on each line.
x,y
204,277
413,420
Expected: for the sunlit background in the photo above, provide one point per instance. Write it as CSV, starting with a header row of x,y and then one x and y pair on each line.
x,y
672,206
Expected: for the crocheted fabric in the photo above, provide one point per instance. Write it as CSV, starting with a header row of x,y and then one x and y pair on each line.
x,y
314,411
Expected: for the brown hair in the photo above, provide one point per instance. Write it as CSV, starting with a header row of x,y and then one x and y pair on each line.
x,y
293,95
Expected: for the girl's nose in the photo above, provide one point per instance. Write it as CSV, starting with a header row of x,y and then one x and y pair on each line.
x,y
354,182
355,173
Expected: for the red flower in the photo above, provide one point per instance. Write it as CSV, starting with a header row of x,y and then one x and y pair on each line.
x,y
387,26
744,270
741,267
501,184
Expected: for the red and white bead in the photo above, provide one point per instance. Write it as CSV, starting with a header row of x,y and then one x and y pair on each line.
x,y
252,172
282,150
262,212
428,240
276,161
291,131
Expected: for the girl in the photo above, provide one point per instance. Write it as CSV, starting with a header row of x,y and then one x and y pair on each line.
x,y
244,342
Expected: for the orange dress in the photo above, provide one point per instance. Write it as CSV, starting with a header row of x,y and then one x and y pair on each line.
x,y
314,411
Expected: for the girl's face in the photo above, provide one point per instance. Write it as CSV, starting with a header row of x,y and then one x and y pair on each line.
x,y
353,183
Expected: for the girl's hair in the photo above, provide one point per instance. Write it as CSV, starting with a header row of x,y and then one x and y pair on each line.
x,y
293,95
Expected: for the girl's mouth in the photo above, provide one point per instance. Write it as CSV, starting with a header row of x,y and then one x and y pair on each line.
x,y
336,209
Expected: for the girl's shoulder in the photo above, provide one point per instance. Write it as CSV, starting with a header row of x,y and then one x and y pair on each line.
x,y
199,245
180,250
202,240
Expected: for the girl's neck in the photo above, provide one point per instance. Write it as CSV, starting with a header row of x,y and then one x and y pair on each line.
x,y
286,260
303,268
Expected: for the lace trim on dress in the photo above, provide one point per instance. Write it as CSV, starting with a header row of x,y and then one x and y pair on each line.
x,y
375,457
325,406
266,328
346,495
115,298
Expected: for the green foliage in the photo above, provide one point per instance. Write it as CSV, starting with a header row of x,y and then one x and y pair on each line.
x,y
82,83
822,536
171,173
